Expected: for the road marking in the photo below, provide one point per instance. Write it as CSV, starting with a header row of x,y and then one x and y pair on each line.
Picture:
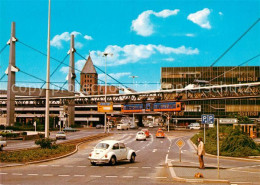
x,y
168,151
111,176
17,174
159,167
63,175
154,150
161,177
33,174
161,141
55,165
137,151
142,177
169,148
173,174
120,167
133,167
166,159
47,175
127,176
43,165
3,173
79,175
146,167
95,176
81,166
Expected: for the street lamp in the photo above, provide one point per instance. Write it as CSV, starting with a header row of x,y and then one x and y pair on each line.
x,y
105,54
133,79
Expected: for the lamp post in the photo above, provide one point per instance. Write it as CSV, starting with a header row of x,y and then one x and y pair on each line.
x,y
105,54
133,79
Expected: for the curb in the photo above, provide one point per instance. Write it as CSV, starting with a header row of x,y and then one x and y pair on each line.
x,y
180,179
225,157
46,160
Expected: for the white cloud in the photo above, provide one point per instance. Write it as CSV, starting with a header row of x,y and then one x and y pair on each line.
x,y
190,35
170,59
65,37
201,18
64,70
220,13
143,26
133,53
87,37
114,75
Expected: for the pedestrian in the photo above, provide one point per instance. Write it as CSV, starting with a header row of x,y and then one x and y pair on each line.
x,y
201,153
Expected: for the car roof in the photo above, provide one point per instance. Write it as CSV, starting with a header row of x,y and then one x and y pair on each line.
x,y
111,142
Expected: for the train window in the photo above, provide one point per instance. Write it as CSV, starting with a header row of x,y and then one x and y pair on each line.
x,y
178,105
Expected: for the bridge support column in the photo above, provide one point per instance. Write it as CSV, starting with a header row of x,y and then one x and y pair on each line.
x,y
11,79
71,82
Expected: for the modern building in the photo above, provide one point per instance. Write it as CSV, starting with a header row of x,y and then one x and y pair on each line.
x,y
89,81
181,77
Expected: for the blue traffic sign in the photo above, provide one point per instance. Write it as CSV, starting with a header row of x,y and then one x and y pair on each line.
x,y
207,118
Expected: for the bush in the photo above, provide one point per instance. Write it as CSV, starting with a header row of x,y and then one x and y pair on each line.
x,y
46,143
24,133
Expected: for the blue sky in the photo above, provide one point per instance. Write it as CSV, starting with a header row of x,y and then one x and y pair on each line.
x,y
143,35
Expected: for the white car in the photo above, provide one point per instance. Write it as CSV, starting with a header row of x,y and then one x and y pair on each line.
x,y
111,151
122,127
61,135
2,143
194,126
140,136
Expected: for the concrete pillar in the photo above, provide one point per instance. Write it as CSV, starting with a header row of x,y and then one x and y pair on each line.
x,y
11,79
71,82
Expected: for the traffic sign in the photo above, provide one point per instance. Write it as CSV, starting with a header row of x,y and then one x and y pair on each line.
x,y
180,143
105,106
207,118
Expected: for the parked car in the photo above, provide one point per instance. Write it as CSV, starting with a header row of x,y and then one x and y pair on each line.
x,y
140,136
2,143
160,133
150,125
146,131
99,126
111,151
60,135
122,127
69,129
195,126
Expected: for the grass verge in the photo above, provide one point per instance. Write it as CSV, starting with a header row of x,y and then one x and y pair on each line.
x,y
36,154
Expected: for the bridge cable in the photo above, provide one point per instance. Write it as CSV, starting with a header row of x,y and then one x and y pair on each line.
x,y
230,47
104,72
3,48
236,67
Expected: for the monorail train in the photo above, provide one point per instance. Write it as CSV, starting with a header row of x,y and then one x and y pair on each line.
x,y
156,107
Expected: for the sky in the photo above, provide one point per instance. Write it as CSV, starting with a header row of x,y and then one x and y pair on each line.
x,y
143,35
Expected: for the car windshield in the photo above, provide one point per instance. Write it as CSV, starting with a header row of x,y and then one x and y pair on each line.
x,y
60,133
159,131
141,133
102,146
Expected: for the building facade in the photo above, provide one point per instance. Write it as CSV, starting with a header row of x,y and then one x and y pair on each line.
x,y
89,81
181,77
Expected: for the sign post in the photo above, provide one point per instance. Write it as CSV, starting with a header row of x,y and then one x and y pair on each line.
x,y
34,124
218,145
105,107
180,143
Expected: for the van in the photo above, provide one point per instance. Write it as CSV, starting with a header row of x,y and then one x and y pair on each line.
x,y
122,127
195,126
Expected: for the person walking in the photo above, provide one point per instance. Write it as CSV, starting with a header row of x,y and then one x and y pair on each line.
x,y
201,153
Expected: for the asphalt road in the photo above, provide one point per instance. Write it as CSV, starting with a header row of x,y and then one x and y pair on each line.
x,y
150,166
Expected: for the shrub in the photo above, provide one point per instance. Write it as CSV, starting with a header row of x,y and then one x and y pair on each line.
x,y
24,133
46,143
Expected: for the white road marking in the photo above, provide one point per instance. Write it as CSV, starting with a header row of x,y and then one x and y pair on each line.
x,y
120,167
55,165
133,167
43,165
169,147
127,176
166,159
47,175
137,151
142,177
173,174
111,176
63,175
154,150
95,176
33,174
161,177
81,166
159,167
168,151
161,141
17,174
3,173
146,167
79,175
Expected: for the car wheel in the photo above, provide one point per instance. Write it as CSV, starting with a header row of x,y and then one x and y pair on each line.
x,y
93,163
1,148
132,159
144,139
112,161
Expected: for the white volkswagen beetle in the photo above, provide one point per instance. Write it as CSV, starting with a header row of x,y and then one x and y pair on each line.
x,y
111,151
